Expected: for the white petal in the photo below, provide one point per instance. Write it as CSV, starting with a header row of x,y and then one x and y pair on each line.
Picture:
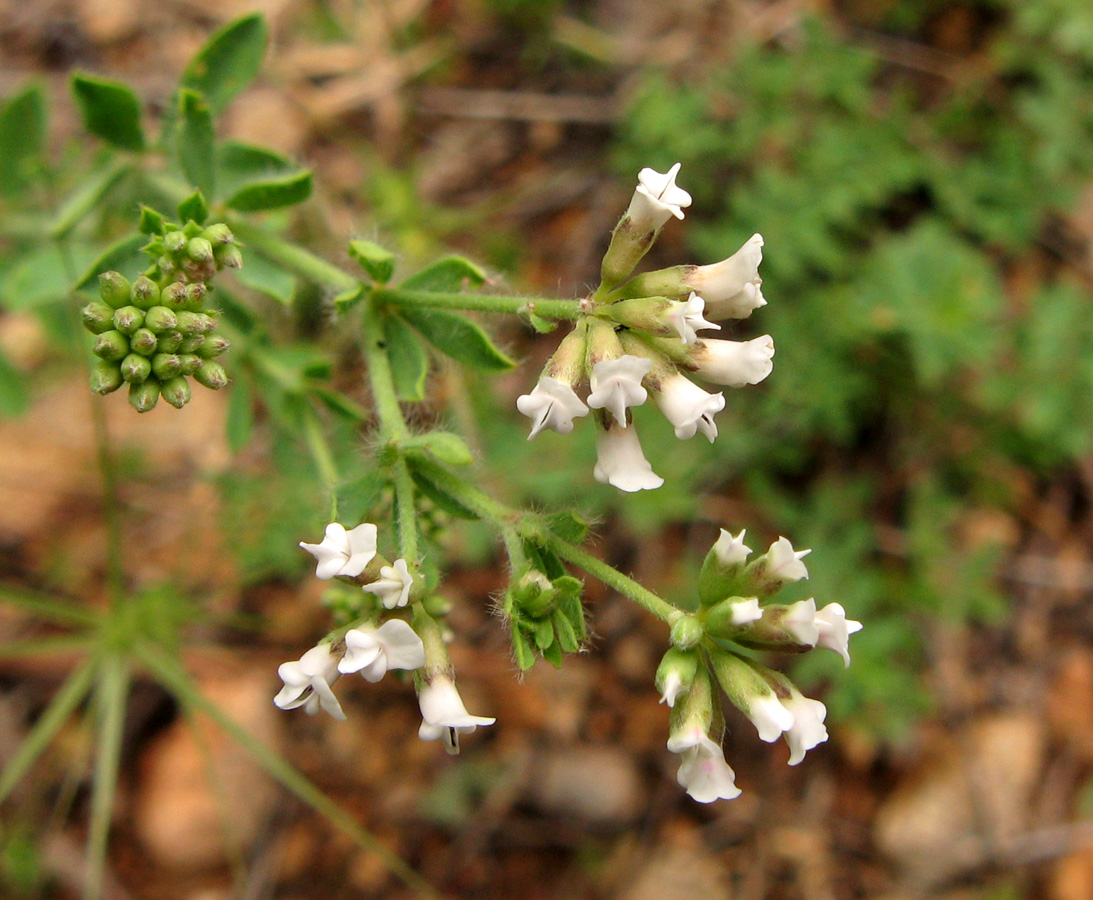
x,y
835,629
616,385
808,726
706,775
731,551
686,318
673,684
731,288
688,407
441,705
735,363
800,621
361,547
551,404
746,611
362,648
784,563
401,644
770,717
621,463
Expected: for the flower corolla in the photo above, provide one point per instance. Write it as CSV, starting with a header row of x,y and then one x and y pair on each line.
x,y
551,404
343,552
620,461
656,199
393,585
373,651
616,384
703,771
689,408
444,717
307,683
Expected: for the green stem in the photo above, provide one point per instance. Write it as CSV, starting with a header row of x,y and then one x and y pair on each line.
x,y
113,687
474,498
613,578
291,256
324,458
502,303
406,510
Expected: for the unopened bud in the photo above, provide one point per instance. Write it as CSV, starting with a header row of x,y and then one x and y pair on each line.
x,y
145,293
112,345
191,343
143,341
195,295
229,257
176,391
144,396
160,319
675,673
212,375
114,289
687,631
174,241
97,317
166,264
195,323
218,234
174,296
213,345
189,363
105,377
437,606
135,368
128,319
170,341
199,250
166,365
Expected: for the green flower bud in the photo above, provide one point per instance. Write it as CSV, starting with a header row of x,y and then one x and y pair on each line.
x,y
195,296
174,241
195,323
229,257
213,345
189,363
437,606
143,341
145,293
144,396
191,343
166,365
135,368
112,345
166,264
128,319
676,673
105,377
174,296
170,341
211,374
97,317
199,250
114,289
218,234
176,391
687,631
160,319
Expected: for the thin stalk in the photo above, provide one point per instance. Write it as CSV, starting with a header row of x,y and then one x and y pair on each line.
x,y
43,646
474,498
57,610
323,457
500,303
291,256
406,510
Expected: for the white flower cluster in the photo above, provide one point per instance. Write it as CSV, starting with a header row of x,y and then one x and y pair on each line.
x,y
642,337
374,650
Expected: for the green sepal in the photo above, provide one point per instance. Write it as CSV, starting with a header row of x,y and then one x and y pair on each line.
x,y
553,654
377,261
443,446
275,193
544,634
229,61
567,525
151,221
716,582
452,273
458,337
110,110
196,142
409,361
563,628
522,652
193,208
541,325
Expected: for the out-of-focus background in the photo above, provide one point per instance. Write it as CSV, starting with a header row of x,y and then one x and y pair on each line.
x,y
922,173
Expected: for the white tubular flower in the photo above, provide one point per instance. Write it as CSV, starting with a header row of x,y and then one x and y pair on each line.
x,y
689,408
783,563
372,651
686,317
393,585
731,288
735,363
616,384
800,621
703,771
746,611
307,683
343,552
769,716
835,629
656,199
551,404
731,551
808,728
621,463
673,684
444,717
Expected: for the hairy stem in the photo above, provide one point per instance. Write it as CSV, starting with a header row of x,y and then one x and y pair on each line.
x,y
548,309
291,256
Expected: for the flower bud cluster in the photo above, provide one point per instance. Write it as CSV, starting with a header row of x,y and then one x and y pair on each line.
x,y
156,333
733,594
639,336
545,617
379,639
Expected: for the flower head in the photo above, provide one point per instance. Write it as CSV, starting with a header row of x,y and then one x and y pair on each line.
x,y
616,384
734,363
808,726
372,651
444,717
551,404
731,288
731,551
656,199
343,552
393,585
702,767
620,461
783,563
686,317
689,408
307,683
835,629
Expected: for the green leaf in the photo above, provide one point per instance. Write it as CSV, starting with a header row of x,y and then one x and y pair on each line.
x,y
229,61
240,418
268,278
568,526
377,261
272,194
358,498
452,273
444,446
123,256
409,362
196,142
339,403
458,337
439,496
240,164
151,222
193,207
36,279
110,111
80,203
346,300
22,137
14,397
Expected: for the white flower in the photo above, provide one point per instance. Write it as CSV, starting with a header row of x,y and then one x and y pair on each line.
x,y
616,384
444,715
551,404
735,363
372,651
656,199
731,551
783,563
686,318
702,767
835,630
808,726
769,716
393,585
799,621
688,407
673,684
731,288
343,552
620,462
307,683
745,611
